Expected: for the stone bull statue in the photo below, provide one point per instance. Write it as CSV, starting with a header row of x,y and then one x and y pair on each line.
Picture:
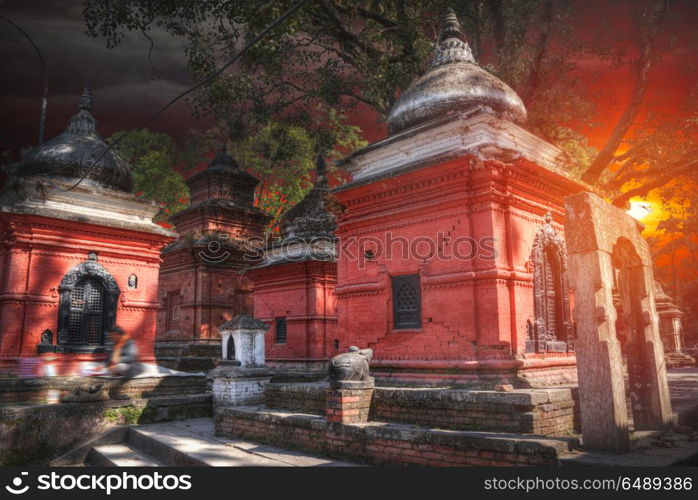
x,y
352,365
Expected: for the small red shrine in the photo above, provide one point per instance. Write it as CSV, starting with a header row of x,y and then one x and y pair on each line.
x,y
75,257
452,265
201,286
294,285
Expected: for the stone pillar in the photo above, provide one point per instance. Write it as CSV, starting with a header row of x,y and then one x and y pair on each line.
x,y
602,397
349,401
241,381
604,242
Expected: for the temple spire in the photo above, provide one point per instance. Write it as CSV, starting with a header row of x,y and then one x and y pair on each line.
x,y
451,46
450,27
83,121
85,100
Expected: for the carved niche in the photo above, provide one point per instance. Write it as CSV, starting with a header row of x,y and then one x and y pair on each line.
x,y
87,307
551,330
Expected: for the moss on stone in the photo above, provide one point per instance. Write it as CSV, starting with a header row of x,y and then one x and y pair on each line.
x,y
130,415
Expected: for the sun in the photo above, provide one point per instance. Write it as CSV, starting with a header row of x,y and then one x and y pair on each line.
x,y
639,209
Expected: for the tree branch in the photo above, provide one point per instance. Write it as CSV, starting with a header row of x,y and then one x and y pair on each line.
x,y
671,173
644,64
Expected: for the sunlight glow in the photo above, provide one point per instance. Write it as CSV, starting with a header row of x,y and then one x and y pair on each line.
x,y
639,209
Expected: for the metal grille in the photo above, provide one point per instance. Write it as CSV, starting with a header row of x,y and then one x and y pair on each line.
x,y
407,304
86,320
281,335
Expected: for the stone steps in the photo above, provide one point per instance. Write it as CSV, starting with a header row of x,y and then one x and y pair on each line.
x,y
120,455
189,443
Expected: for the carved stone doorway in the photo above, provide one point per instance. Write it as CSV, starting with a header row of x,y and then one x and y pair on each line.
x,y
604,248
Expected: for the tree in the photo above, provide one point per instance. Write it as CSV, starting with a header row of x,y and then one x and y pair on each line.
x,y
155,160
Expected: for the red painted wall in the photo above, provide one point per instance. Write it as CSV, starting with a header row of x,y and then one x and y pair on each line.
x,y
36,252
303,293
472,308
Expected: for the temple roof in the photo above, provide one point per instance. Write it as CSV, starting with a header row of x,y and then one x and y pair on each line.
x,y
310,218
71,153
453,83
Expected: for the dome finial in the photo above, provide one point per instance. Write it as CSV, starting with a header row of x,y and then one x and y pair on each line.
x,y
450,27
85,100
451,46
83,121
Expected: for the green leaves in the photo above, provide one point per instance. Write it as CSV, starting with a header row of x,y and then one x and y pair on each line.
x,y
154,159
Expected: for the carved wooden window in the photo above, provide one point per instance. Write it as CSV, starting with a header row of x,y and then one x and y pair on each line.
x,y
407,302
87,309
86,321
280,330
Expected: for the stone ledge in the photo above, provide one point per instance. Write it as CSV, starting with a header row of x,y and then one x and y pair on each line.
x,y
549,412
381,443
35,434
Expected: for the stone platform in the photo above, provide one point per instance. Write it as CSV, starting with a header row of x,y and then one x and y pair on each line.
x,y
548,412
382,443
188,357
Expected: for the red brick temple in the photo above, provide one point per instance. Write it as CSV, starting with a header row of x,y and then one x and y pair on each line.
x,y
294,285
453,264
201,286
75,257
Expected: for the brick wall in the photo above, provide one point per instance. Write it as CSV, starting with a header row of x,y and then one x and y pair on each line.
x,y
387,445
303,398
548,412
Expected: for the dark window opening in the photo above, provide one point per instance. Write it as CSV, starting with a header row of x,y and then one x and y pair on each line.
x,y
407,302
86,320
280,331
230,348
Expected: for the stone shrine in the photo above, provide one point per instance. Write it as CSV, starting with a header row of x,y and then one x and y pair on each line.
x,y
241,376
671,330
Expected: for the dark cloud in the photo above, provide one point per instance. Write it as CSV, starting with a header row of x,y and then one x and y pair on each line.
x,y
126,87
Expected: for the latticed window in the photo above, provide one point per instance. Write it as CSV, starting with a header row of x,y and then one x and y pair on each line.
x,y
87,308
86,321
407,303
281,335
553,294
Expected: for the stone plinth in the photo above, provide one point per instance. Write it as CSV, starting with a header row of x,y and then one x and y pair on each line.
x,y
234,385
349,402
241,380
